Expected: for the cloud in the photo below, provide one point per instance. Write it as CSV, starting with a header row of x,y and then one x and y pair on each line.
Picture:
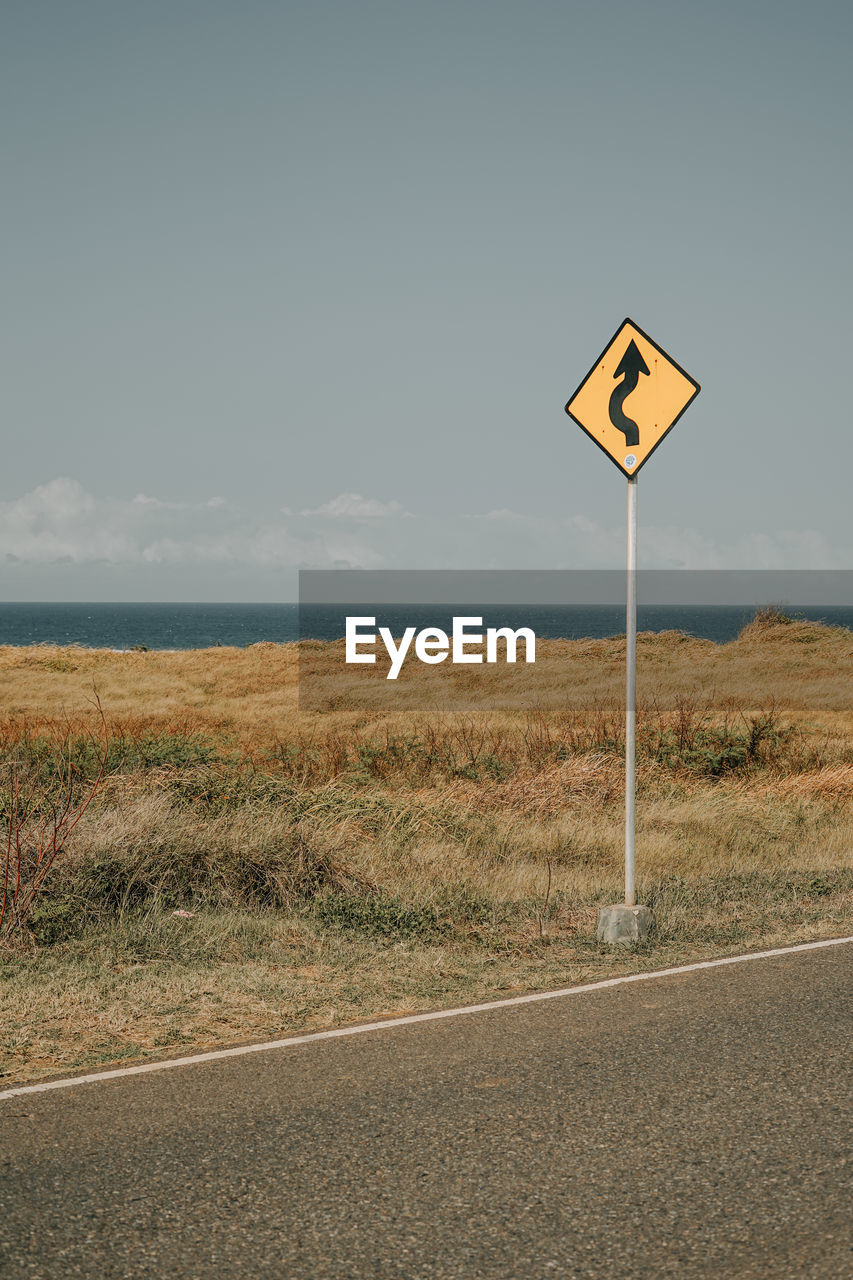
x,y
142,500
352,506
60,523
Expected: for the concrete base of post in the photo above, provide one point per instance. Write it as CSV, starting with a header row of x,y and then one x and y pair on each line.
x,y
623,926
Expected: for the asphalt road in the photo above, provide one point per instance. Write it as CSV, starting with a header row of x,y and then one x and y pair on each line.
x,y
692,1126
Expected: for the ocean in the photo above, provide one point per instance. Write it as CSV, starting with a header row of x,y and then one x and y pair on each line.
x,y
201,626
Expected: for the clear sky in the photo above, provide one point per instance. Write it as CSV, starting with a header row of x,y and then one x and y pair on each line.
x,y
309,284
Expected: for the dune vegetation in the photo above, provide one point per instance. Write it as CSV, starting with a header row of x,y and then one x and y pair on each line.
x,y
189,859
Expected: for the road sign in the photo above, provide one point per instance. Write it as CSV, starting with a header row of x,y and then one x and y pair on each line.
x,y
632,396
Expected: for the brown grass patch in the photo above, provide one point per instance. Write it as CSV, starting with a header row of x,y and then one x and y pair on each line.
x,y
352,863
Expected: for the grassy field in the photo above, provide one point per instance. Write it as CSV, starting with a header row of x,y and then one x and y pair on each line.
x,y
340,864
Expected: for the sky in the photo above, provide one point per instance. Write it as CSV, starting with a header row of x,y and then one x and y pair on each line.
x,y
308,285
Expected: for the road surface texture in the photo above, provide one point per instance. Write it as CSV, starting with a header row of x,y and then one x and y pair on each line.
x,y
695,1125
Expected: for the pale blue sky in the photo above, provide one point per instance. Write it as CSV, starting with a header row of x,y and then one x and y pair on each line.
x,y
309,284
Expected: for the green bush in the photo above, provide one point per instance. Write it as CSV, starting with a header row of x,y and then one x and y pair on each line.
x,y
380,916
84,754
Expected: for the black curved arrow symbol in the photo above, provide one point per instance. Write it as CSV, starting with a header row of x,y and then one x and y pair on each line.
x,y
631,365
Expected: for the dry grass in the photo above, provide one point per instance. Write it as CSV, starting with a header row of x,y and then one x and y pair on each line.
x,y
252,692
357,863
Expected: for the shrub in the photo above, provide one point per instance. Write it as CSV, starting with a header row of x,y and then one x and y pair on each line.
x,y
44,798
380,915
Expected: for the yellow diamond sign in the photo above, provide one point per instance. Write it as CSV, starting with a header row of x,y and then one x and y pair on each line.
x,y
632,396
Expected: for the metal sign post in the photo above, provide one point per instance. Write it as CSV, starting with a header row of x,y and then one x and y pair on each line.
x,y
631,697
631,398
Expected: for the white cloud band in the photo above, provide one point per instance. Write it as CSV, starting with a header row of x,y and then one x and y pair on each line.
x,y
61,523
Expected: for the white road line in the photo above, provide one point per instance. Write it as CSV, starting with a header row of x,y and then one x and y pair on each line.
x,y
216,1054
